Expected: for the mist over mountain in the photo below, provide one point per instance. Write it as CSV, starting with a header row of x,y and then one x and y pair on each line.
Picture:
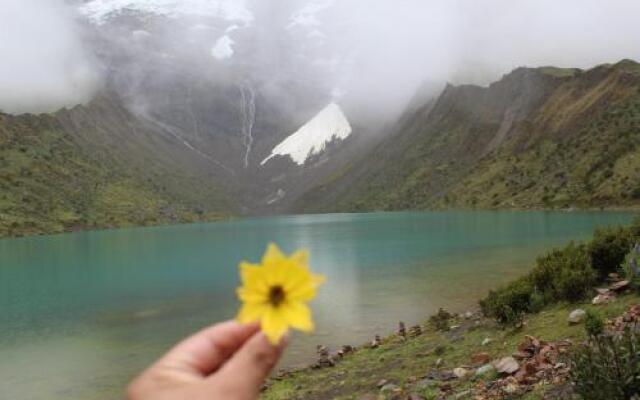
x,y
263,101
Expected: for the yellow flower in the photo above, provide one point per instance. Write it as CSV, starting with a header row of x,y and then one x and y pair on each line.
x,y
276,291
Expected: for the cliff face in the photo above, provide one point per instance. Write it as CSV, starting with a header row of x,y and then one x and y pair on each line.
x,y
544,137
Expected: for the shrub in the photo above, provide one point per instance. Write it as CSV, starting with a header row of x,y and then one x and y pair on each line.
x,y
607,368
593,324
609,248
508,304
440,320
564,274
630,268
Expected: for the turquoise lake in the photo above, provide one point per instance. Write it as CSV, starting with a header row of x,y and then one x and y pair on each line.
x,y
82,313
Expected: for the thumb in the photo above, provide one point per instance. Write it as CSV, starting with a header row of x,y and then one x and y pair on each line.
x,y
244,374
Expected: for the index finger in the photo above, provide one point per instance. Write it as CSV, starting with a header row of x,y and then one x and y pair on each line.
x,y
205,351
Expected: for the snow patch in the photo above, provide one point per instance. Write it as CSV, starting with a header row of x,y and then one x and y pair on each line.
x,y
313,137
99,11
223,48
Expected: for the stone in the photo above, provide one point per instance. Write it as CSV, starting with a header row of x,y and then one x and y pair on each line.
x,y
481,358
381,383
485,370
460,372
415,330
602,299
389,387
402,330
619,286
507,365
577,316
486,341
468,315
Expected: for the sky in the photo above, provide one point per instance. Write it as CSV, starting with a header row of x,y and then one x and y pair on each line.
x,y
377,51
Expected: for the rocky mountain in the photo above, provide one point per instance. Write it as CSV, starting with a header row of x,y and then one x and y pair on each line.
x,y
538,138
207,108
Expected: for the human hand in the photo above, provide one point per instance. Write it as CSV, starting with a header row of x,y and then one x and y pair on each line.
x,y
227,361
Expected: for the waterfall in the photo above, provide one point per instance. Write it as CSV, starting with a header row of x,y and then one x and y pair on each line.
x,y
248,110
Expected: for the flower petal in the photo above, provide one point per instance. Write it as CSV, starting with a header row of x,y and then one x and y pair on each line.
x,y
298,316
274,324
273,255
251,312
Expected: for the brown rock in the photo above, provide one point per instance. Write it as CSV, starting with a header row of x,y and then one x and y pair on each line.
x,y
481,358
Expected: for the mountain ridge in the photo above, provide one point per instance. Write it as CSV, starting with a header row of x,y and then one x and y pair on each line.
x,y
486,147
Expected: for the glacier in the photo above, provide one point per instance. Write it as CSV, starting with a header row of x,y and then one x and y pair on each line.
x,y
313,137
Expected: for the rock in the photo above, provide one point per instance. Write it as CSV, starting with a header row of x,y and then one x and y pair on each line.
x,y
619,286
389,387
603,299
447,375
486,341
460,372
415,330
485,370
468,315
481,358
507,365
603,291
402,330
577,316
381,383
377,341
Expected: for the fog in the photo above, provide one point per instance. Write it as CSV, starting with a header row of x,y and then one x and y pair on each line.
x,y
43,62
372,54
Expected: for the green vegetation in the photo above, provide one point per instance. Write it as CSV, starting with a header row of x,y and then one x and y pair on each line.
x,y
566,274
543,138
608,368
50,184
402,361
541,301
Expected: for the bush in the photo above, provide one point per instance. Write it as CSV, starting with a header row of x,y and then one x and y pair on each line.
x,y
440,320
609,248
631,267
564,274
607,368
593,324
508,304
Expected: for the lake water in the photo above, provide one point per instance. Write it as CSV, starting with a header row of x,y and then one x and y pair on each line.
x,y
82,313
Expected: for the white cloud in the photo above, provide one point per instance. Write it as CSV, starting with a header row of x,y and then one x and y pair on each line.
x,y
44,66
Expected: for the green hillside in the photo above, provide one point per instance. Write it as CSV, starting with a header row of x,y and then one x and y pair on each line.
x,y
48,184
538,138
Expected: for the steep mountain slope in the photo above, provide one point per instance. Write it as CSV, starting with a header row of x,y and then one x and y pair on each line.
x,y
56,177
544,137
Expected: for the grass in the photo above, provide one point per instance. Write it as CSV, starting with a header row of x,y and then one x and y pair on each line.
x,y
402,362
48,184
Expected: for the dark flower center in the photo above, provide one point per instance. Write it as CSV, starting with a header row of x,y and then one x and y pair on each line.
x,y
276,295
